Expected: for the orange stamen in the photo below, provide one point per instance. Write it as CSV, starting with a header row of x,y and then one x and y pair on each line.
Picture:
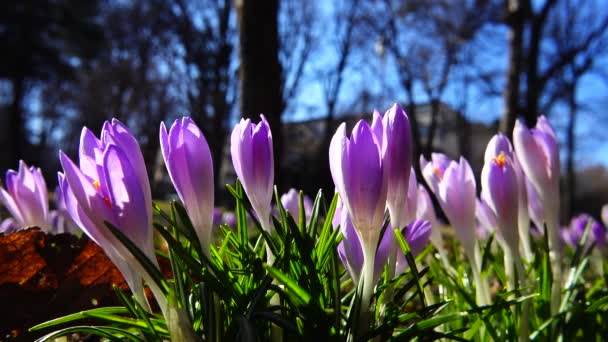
x,y
500,160
105,198
438,173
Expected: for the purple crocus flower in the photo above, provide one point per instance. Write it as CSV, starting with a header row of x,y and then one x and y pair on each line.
x,y
188,160
501,144
291,202
350,250
110,184
26,197
397,153
229,218
500,192
359,175
573,234
417,235
252,158
538,152
454,185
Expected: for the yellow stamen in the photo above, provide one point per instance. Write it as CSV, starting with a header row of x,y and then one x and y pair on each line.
x,y
500,160
438,173
105,198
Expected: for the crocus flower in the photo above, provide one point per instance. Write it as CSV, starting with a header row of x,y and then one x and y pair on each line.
x,y
454,185
538,152
397,153
252,158
573,234
500,191
358,172
26,197
291,202
500,144
605,214
188,160
417,235
351,252
110,184
359,175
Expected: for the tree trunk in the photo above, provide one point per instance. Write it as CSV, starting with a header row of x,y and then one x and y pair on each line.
x,y
432,126
571,149
511,93
260,70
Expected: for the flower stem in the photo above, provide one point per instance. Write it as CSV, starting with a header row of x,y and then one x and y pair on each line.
x,y
367,288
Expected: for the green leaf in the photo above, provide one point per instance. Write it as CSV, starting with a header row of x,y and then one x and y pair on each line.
x,y
291,286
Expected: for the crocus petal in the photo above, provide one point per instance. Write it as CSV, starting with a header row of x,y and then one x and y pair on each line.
x,y
8,225
127,198
10,204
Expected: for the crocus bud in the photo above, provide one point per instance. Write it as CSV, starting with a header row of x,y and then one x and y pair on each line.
x,y
350,250
455,190
605,214
188,160
291,203
26,197
417,235
500,190
60,219
359,175
252,158
397,152
111,184
538,152
358,172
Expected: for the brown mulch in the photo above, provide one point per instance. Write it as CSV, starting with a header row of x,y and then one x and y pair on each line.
x,y
48,276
